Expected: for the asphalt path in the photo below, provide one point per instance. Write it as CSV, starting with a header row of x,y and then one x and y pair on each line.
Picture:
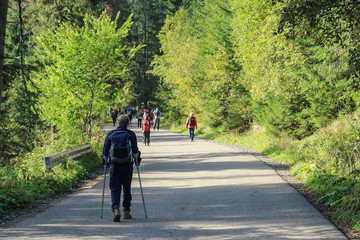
x,y
192,190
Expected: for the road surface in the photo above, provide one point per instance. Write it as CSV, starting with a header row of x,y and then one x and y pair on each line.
x,y
192,190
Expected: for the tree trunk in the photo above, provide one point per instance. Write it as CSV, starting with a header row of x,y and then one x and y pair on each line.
x,y
3,16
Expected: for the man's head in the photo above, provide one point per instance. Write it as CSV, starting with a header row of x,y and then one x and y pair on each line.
x,y
124,121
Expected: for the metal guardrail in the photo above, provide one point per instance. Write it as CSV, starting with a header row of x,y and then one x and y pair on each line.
x,y
52,161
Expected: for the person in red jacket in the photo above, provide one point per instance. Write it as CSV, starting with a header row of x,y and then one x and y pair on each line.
x,y
191,124
146,130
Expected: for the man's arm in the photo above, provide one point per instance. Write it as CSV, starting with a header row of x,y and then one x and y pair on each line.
x,y
136,152
107,145
187,122
133,142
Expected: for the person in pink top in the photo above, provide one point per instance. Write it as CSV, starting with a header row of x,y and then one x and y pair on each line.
x,y
191,124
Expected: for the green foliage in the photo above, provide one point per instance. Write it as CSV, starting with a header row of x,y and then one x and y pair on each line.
x,y
85,70
328,21
339,193
335,149
27,180
45,14
277,114
19,121
149,17
175,61
197,69
266,57
327,84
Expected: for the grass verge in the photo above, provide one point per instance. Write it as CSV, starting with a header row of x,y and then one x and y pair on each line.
x,y
327,161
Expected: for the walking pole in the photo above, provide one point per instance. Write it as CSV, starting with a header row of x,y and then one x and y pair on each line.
x,y
102,205
142,194
135,159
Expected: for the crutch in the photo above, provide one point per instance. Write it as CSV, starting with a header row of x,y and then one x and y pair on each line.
x,y
102,205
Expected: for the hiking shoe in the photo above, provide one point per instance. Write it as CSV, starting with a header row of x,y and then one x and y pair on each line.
x,y
127,214
116,215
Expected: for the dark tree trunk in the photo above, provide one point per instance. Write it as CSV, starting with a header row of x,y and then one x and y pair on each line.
x,y
3,16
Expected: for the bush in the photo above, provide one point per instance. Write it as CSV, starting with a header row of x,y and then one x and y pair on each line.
x,y
335,149
27,181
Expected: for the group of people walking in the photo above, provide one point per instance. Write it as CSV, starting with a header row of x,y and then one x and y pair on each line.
x,y
145,119
114,113
121,152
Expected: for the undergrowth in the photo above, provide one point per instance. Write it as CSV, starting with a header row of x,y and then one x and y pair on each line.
x,y
27,181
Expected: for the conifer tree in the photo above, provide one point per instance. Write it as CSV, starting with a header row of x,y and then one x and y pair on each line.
x,y
3,19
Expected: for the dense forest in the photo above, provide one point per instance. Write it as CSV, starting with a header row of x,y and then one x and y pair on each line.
x,y
257,69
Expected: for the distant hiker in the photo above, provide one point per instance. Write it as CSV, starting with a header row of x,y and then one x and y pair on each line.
x,y
110,111
146,130
130,117
139,118
157,115
114,115
191,124
146,113
120,145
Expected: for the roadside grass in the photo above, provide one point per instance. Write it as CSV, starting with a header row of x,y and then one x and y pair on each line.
x,y
328,161
27,181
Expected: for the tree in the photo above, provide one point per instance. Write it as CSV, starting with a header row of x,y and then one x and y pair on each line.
x,y
3,18
85,70
149,17
177,66
327,33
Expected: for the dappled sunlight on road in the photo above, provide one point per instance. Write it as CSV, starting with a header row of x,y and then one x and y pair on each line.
x,y
192,190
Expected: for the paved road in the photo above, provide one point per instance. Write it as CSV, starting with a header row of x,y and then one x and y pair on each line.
x,y
198,190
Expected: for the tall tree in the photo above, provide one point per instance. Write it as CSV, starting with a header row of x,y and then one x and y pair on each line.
x,y
79,81
3,18
149,17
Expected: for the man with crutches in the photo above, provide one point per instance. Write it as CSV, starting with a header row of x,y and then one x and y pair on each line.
x,y
120,152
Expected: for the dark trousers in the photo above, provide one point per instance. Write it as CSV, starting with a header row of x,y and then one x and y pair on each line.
x,y
157,122
146,137
114,120
120,179
139,122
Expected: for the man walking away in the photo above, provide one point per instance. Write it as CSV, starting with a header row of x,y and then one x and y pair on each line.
x,y
139,118
157,115
114,115
119,145
191,124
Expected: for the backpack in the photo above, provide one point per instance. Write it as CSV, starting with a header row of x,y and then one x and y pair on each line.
x,y
120,149
158,113
192,121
